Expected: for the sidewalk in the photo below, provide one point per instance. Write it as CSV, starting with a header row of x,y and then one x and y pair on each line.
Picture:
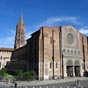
x,y
45,82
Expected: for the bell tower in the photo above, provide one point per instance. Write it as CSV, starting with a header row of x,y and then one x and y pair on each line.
x,y
20,34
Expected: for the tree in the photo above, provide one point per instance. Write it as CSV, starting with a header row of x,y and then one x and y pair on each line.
x,y
19,75
29,75
8,76
2,71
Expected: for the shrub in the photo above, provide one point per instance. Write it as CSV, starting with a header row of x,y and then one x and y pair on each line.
x,y
19,75
26,75
8,76
29,75
2,71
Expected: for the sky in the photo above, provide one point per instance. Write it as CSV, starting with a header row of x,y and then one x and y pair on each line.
x,y
37,13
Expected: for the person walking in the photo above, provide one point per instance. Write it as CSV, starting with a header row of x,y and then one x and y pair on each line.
x,y
15,85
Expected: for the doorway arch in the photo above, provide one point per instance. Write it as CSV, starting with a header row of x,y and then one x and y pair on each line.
x,y
69,67
77,68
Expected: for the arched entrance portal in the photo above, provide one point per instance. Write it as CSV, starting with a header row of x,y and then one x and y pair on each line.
x,y
69,67
77,68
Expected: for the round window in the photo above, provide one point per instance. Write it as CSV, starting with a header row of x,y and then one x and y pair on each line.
x,y
70,38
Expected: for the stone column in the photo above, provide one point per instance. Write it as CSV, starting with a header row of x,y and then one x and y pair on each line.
x,y
73,71
81,70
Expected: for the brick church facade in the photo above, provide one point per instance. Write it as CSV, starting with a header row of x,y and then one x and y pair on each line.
x,y
53,52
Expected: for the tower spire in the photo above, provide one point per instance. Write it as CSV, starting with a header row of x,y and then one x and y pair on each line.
x,y
21,19
20,34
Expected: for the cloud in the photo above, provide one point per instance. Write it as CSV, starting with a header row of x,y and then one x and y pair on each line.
x,y
51,21
29,30
54,20
60,19
84,30
8,41
13,32
28,35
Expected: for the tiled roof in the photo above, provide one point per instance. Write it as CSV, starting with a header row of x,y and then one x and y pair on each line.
x,y
6,49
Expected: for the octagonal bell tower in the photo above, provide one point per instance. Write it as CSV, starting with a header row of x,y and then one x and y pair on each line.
x,y
20,34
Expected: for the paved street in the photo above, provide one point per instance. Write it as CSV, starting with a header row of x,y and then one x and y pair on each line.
x,y
48,83
63,85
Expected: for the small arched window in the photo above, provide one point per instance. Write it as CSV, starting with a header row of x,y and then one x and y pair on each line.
x,y
75,51
56,65
50,64
63,50
0,64
78,52
67,50
71,51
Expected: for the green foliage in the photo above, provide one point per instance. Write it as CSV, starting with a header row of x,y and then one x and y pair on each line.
x,y
19,74
29,75
2,71
32,73
8,76
26,75
5,75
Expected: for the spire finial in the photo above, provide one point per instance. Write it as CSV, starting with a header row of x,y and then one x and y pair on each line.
x,y
21,19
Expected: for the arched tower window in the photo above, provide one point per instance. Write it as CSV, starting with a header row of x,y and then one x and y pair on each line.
x,y
50,64
56,65
0,64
